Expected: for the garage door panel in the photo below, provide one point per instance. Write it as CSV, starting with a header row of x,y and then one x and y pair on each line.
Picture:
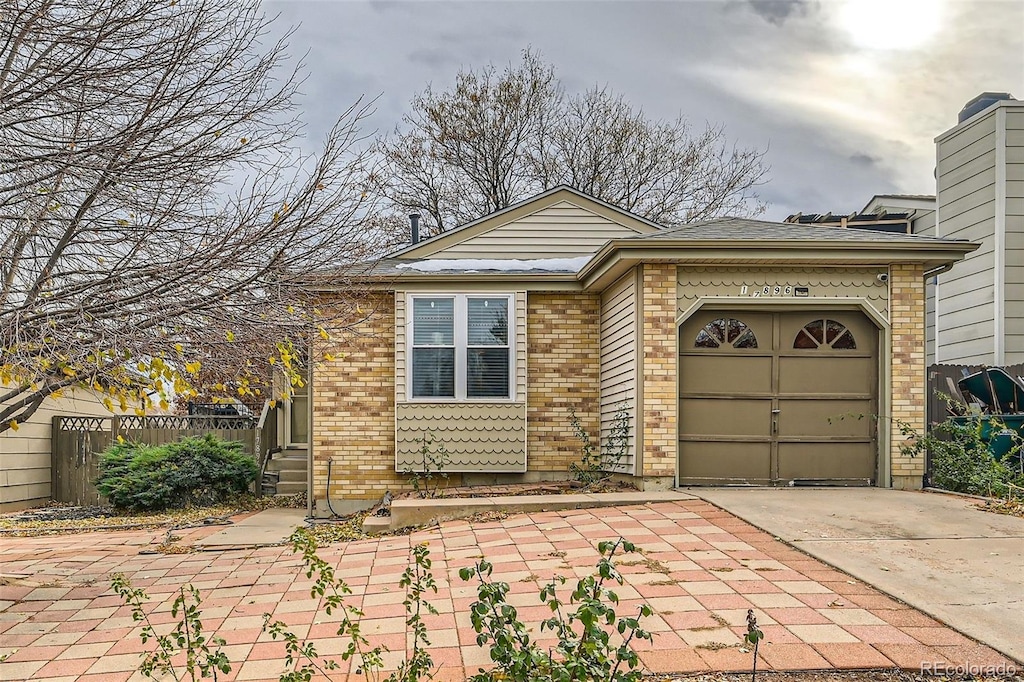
x,y
825,461
831,374
709,417
711,463
825,418
725,374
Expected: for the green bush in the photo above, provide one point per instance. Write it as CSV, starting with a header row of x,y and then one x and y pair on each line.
x,y
193,471
962,462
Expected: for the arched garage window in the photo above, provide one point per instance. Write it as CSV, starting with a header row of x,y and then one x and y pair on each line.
x,y
725,332
824,334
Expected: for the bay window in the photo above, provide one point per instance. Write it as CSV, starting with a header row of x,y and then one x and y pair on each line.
x,y
460,346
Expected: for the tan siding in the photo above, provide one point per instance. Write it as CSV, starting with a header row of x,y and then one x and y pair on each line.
x,y
400,347
25,453
619,360
560,231
563,354
695,282
477,437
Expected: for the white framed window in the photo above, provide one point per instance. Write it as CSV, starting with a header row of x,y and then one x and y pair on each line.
x,y
461,347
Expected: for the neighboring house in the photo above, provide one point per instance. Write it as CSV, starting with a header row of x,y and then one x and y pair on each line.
x,y
975,312
25,460
735,347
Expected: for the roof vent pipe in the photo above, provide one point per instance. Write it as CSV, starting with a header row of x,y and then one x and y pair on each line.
x,y
414,228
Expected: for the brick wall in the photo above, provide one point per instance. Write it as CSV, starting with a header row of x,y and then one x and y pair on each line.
x,y
660,402
353,409
563,371
908,368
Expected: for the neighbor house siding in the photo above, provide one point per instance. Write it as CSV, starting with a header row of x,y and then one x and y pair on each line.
x,y
1014,280
907,400
966,183
25,461
563,230
353,427
563,370
619,351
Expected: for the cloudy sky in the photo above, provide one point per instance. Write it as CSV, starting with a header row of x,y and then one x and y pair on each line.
x,y
847,95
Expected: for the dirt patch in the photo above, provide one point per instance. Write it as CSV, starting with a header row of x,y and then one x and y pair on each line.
x,y
65,519
518,489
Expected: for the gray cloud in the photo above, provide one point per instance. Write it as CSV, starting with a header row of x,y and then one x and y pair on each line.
x,y
777,12
843,122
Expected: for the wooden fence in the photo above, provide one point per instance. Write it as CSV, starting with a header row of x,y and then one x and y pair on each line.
x,y
78,441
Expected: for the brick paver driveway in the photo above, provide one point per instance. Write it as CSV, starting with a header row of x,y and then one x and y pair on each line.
x,y
700,570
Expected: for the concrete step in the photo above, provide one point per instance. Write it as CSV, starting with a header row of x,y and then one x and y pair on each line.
x,y
291,487
282,462
292,476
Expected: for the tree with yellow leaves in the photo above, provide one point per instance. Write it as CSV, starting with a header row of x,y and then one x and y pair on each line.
x,y
155,208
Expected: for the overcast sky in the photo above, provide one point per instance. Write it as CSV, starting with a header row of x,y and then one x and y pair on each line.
x,y
847,95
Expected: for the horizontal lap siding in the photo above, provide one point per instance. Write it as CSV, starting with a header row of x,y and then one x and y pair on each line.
x,y
619,360
966,200
25,464
1014,236
560,231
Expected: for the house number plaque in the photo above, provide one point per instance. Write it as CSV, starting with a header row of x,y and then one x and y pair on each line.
x,y
757,291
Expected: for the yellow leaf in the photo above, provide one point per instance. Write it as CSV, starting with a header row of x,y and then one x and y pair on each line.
x,y
108,403
140,412
271,359
120,439
273,403
328,357
230,336
14,425
323,334
177,347
67,371
163,404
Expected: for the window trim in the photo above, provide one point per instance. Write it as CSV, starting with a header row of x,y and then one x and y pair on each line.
x,y
461,337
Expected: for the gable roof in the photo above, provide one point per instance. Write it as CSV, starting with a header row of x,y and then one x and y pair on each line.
x,y
547,199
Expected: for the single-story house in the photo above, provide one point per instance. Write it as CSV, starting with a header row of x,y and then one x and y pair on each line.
x,y
740,352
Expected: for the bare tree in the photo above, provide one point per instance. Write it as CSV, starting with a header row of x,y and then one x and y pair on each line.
x,y
495,139
154,205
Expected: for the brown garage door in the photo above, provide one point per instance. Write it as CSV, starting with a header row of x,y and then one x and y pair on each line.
x,y
761,396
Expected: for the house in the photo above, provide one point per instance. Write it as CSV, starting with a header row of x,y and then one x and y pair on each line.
x,y
976,311
741,352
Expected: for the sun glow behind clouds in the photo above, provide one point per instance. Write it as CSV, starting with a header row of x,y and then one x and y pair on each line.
x,y
890,24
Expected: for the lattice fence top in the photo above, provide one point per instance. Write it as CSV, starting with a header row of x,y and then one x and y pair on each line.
x,y
186,422
84,424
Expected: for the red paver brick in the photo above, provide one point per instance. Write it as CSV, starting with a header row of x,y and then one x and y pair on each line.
x,y
731,660
852,655
674,661
796,616
879,634
911,656
796,656
936,636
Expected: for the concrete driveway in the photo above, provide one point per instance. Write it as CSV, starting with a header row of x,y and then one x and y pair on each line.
x,y
936,552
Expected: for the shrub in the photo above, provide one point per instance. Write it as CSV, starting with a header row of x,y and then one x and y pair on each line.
x,y
193,471
960,458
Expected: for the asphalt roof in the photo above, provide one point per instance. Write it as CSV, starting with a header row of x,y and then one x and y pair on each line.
x,y
737,229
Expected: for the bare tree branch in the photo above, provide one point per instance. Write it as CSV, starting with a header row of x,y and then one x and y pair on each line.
x,y
155,209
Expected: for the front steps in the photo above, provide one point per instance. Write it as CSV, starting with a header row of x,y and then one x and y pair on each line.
x,y
287,472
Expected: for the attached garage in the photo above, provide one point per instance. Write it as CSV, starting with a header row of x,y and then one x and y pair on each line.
x,y
778,397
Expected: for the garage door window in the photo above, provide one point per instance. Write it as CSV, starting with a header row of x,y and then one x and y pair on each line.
x,y
725,332
824,334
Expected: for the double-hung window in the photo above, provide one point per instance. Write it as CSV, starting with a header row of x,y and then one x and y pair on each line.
x,y
461,347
